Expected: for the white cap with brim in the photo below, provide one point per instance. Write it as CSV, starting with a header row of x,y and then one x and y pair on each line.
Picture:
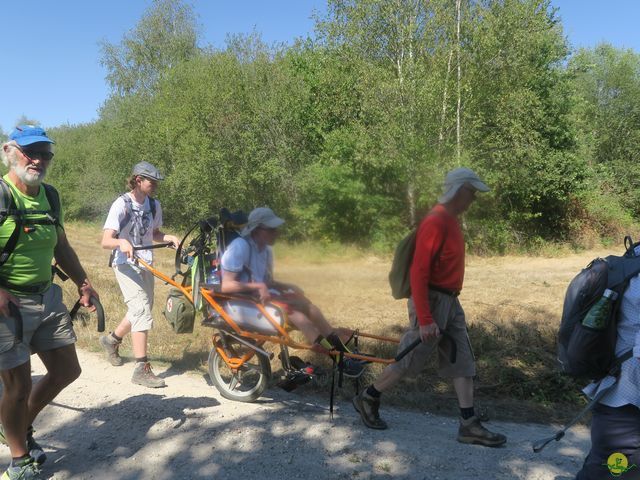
x,y
456,179
261,217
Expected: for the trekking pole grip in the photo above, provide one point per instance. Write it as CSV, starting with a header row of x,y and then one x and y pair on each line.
x,y
404,352
99,312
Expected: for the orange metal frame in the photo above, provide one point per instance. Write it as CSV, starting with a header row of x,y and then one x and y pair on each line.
x,y
282,338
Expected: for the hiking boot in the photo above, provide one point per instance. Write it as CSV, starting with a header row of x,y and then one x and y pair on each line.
x,y
472,431
143,375
352,368
22,470
368,407
35,450
110,345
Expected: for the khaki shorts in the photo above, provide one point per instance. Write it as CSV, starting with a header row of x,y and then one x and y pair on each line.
x,y
448,314
136,285
46,326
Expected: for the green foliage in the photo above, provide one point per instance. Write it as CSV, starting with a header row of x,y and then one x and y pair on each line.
x,y
349,135
165,36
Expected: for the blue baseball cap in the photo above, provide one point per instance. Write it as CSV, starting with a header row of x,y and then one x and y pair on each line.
x,y
27,134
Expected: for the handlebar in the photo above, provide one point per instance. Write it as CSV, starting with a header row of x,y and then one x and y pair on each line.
x,y
99,312
155,245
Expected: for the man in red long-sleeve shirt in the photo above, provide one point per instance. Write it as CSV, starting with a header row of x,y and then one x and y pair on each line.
x,y
437,273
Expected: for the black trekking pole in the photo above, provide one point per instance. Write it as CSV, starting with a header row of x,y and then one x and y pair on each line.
x,y
99,312
17,318
452,356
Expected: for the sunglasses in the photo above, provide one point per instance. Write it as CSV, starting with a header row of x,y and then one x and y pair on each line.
x,y
31,153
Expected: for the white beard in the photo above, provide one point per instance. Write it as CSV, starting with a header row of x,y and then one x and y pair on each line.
x,y
28,178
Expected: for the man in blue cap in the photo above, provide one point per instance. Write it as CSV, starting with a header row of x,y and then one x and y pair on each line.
x,y
31,236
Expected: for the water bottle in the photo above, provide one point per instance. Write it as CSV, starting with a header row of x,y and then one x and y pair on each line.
x,y
597,316
213,278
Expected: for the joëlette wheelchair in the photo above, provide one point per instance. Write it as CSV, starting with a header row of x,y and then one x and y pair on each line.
x,y
239,365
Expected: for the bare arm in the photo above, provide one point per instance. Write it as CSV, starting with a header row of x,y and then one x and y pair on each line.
x,y
109,242
160,237
231,284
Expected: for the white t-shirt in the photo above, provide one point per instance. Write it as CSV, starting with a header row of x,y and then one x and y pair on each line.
x,y
243,255
138,230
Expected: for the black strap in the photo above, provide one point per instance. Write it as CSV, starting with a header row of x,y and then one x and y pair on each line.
x,y
178,258
8,208
28,289
128,204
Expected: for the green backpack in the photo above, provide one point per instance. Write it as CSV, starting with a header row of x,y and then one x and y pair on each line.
x,y
399,278
401,265
179,312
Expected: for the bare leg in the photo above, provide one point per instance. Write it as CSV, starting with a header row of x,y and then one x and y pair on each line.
x,y
123,328
14,407
139,341
306,326
388,379
318,320
464,390
62,370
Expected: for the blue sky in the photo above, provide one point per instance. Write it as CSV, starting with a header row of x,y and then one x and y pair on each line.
x,y
52,68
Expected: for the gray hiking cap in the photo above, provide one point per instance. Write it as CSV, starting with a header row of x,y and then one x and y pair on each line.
x,y
457,178
145,169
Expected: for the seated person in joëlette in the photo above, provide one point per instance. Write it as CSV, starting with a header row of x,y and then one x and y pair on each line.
x,y
247,267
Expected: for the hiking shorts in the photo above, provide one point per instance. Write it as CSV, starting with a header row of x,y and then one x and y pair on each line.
x,y
46,325
136,285
448,314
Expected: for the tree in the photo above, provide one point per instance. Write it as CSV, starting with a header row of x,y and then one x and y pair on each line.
x,y
607,87
165,36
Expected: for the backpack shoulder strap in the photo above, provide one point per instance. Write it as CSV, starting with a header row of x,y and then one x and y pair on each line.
x,y
247,268
7,202
128,209
8,205
621,269
53,197
152,206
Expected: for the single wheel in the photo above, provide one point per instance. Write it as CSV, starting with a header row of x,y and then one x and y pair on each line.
x,y
245,383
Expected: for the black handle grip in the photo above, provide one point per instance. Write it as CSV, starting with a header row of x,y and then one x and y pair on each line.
x,y
155,245
404,352
99,312
453,356
17,318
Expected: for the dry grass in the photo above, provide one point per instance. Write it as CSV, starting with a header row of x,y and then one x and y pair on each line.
x,y
513,306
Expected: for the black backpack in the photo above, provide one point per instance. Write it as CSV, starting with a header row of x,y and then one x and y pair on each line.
x,y
583,351
24,223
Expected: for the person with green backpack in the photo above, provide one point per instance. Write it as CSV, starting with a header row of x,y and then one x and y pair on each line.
x,y
435,278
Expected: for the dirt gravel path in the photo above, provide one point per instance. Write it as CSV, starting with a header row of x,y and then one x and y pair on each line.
x,y
104,427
